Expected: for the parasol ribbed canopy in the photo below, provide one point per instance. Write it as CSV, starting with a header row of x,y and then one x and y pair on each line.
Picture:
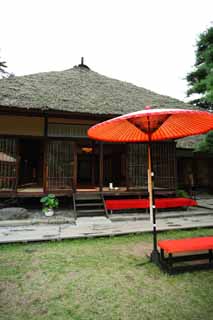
x,y
154,124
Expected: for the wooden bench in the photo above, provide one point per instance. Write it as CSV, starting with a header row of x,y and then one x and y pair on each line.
x,y
121,204
191,251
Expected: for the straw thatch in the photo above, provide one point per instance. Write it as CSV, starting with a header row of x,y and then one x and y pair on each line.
x,y
79,90
189,142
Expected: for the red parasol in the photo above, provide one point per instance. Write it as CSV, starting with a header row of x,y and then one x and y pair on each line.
x,y
153,125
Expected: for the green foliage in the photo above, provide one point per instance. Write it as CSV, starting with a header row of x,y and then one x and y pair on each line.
x,y
206,145
3,72
200,80
181,193
49,202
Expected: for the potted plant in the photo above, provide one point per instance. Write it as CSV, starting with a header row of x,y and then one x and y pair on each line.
x,y
49,202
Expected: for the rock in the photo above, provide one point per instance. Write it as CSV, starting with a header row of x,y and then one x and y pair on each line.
x,y
13,213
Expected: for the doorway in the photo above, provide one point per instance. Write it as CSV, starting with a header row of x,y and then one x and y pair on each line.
x,y
85,169
31,157
114,164
87,165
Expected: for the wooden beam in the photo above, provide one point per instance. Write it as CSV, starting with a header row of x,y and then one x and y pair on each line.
x,y
12,110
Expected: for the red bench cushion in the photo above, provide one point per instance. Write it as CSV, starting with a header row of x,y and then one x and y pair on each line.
x,y
186,245
175,202
144,203
127,204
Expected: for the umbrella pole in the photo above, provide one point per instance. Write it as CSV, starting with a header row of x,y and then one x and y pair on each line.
x,y
155,254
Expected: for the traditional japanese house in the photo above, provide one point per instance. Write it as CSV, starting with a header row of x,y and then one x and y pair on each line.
x,y
44,146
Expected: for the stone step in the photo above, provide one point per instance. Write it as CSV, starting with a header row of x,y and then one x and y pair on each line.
x,y
82,196
89,204
91,210
90,213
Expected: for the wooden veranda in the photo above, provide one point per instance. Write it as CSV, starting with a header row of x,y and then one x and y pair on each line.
x,y
34,167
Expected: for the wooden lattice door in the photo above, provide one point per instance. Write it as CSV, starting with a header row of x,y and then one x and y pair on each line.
x,y
59,165
163,164
8,164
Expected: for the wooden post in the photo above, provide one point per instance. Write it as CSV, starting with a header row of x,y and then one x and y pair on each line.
x,y
101,167
150,184
45,125
75,167
93,164
155,256
17,143
45,165
93,170
127,166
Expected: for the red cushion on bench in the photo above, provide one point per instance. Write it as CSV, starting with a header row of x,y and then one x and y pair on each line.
x,y
127,204
144,203
175,202
186,245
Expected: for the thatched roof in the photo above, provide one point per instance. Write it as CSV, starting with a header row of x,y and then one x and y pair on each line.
x,y
79,90
189,142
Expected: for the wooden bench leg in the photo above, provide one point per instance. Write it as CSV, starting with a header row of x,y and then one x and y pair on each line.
x,y
166,262
170,263
162,254
162,261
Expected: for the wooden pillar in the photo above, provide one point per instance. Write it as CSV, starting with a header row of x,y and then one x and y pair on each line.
x,y
18,160
93,170
45,125
45,165
101,166
127,166
93,164
75,167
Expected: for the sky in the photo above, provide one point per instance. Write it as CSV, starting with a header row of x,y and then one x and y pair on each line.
x,y
148,43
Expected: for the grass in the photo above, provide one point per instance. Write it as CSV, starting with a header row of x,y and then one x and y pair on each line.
x,y
105,278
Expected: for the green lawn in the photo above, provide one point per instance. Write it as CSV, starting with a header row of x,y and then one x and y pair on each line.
x,y
103,278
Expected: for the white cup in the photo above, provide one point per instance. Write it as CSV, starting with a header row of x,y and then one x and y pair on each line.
x,y
110,185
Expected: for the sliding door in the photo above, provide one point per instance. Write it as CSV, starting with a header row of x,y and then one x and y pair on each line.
x,y
59,165
163,165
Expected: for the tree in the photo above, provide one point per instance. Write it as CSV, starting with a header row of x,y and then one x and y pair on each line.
x,y
2,67
206,145
3,72
200,80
